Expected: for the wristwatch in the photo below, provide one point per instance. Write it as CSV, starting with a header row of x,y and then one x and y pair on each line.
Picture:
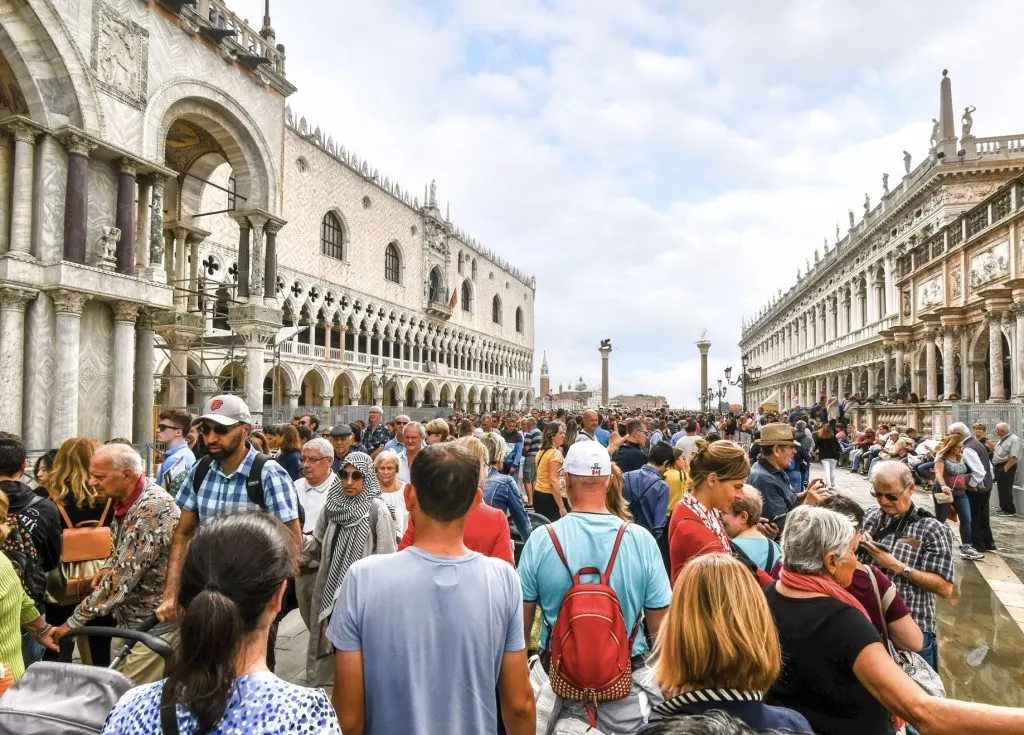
x,y
906,572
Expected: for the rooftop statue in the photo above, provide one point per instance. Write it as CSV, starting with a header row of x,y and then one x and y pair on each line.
x,y
906,161
967,121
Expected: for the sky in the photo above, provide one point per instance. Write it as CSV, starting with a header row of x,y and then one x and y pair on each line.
x,y
661,166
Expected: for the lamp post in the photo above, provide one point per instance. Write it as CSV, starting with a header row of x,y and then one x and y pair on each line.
x,y
382,380
745,378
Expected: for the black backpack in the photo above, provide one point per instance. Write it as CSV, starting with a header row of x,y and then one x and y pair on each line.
x,y
253,484
20,549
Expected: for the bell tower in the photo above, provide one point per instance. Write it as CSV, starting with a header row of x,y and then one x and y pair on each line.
x,y
545,378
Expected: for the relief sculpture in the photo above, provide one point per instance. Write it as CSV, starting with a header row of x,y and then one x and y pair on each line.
x,y
990,264
956,278
120,56
930,294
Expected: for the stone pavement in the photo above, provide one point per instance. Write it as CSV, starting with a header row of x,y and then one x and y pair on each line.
x,y
981,631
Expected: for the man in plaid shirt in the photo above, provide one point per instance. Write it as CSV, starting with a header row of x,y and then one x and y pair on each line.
x,y
912,547
376,434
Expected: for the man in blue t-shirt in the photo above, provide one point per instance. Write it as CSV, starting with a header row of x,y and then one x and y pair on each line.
x,y
414,653
639,578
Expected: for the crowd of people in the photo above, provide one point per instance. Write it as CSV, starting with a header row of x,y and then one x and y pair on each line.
x,y
533,572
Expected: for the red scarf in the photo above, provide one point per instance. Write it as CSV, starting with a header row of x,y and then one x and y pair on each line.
x,y
121,509
708,517
822,585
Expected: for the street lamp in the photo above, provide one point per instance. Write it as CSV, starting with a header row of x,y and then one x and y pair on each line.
x,y
745,378
382,380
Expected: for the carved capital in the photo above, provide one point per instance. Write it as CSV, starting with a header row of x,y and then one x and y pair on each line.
x,y
68,302
125,311
128,166
146,319
293,394
1018,306
993,316
15,299
23,133
79,146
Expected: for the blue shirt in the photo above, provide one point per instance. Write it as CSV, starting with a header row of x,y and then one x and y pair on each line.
x,y
639,578
178,458
778,494
501,492
757,549
259,704
223,495
602,436
647,494
432,631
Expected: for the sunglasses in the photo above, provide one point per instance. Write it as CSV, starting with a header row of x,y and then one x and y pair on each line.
x,y
166,427
891,497
217,429
350,476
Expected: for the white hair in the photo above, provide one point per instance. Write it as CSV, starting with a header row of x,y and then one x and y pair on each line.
x,y
378,409
811,534
319,445
388,455
420,428
890,473
1004,426
960,428
123,457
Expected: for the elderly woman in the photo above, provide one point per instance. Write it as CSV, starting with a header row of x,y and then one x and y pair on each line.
x,y
355,523
500,490
838,672
741,522
718,649
392,490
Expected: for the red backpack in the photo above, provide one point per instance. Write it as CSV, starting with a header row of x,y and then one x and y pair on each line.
x,y
590,653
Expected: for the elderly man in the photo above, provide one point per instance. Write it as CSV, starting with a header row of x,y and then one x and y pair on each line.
x,y
778,446
343,439
395,444
413,440
375,435
591,420
1004,460
131,583
312,488
911,546
979,484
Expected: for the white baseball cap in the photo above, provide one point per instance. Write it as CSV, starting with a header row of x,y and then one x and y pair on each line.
x,y
226,410
588,459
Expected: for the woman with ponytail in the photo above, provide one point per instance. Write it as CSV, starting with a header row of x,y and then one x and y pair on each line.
x,y
232,585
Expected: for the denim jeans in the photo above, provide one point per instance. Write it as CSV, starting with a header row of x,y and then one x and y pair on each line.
x,y
923,469
855,457
31,651
963,509
930,652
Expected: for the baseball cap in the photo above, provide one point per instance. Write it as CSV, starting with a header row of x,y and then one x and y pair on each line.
x,y
588,459
340,431
225,410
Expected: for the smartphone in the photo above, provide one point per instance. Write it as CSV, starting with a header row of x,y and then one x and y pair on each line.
x,y
622,429
869,545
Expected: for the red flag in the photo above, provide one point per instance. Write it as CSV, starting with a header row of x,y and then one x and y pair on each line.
x,y
454,299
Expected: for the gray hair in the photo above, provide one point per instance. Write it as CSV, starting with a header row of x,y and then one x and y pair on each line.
x,y
960,428
388,455
495,447
813,533
801,425
419,428
376,409
1004,426
123,457
890,473
319,445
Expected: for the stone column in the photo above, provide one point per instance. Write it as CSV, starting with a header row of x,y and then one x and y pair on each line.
x,y
703,346
293,400
156,227
64,420
145,367
872,382
270,268
177,394
143,222
1018,363
193,274
256,264
890,285
995,357
243,258
1010,319
22,185
122,395
125,217
898,352
5,191
325,400
178,268
948,371
930,370
606,351
886,368
12,356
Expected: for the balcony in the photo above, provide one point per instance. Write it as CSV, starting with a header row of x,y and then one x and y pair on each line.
x,y
439,310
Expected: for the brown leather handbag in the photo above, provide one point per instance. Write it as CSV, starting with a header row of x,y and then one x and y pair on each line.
x,y
86,547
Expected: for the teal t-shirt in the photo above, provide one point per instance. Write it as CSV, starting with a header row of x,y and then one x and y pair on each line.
x,y
758,551
639,578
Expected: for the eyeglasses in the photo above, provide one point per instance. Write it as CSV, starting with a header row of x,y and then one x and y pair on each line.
x,y
891,497
166,427
217,429
401,423
311,460
350,476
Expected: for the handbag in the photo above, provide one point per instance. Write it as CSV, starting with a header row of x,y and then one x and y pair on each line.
x,y
86,547
912,663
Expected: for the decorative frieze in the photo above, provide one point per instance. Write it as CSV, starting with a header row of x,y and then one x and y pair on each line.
x,y
990,264
120,56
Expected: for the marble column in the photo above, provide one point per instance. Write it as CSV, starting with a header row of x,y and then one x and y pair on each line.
x,y
156,225
178,269
293,400
886,369
325,400
872,382
5,191
125,216
177,395
22,185
898,359
143,222
890,285
64,419
145,367
256,264
270,267
244,229
1010,328
122,395
255,352
12,356
193,274
948,372
995,357
930,370
1018,362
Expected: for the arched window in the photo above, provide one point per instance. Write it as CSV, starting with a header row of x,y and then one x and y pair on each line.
x,y
332,237
460,262
232,189
519,319
436,286
467,296
473,270
496,310
392,263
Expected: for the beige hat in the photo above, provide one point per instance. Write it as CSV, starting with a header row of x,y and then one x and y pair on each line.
x,y
776,434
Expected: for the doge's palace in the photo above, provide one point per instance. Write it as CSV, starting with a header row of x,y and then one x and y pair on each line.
x,y
920,305
169,229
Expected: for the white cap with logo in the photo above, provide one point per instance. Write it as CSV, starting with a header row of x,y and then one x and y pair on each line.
x,y
588,459
226,410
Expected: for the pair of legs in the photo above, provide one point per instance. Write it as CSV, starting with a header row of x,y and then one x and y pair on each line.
x,y
829,466
1004,484
963,510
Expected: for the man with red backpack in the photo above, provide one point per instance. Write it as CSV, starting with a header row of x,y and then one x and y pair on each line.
x,y
597,580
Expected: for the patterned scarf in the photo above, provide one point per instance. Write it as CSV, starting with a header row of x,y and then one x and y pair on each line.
x,y
350,519
708,517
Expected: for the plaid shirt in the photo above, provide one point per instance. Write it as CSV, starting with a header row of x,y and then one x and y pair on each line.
x,y
374,438
935,555
223,495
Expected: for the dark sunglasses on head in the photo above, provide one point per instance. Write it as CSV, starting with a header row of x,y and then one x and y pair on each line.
x,y
891,497
217,429
351,475
165,427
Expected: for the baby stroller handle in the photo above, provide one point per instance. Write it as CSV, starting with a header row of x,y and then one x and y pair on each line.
x,y
154,643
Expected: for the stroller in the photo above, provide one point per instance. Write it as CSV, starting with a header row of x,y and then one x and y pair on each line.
x,y
54,698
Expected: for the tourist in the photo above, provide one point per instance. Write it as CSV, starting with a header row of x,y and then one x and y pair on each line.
x,y
979,485
591,420
531,447
436,431
223,487
613,501
258,440
586,538
768,474
647,492
838,673
487,529
413,441
392,490
572,430
172,431
951,475
689,429
861,445
376,434
311,422
1004,461
401,616
920,569
549,498
343,439
677,478
829,452
631,455
513,437
312,490
232,587
131,583
78,503
718,649
284,441
742,522
395,443
40,470
979,433
500,490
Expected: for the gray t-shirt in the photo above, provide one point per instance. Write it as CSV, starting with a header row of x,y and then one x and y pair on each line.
x,y
432,631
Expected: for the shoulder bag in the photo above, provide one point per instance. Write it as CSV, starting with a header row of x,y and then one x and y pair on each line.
x,y
912,663
86,547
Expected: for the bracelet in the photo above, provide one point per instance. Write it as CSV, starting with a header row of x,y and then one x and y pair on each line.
x,y
42,631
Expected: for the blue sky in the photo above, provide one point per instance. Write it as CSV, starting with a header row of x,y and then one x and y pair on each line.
x,y
662,167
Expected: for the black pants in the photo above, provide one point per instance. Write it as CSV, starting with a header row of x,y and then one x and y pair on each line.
x,y
1004,484
981,530
544,503
99,647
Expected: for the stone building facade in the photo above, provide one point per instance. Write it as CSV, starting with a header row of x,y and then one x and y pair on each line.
x,y
168,230
924,295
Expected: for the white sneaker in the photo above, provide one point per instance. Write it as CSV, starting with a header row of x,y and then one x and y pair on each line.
x,y
969,552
